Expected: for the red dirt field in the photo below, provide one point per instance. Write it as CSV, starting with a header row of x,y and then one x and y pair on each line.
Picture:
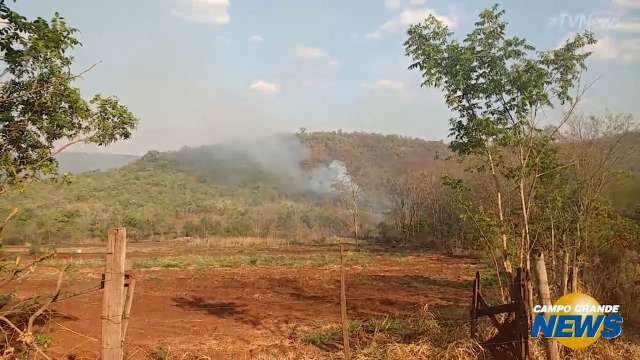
x,y
237,313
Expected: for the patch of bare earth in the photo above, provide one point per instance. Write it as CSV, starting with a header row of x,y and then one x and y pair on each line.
x,y
238,313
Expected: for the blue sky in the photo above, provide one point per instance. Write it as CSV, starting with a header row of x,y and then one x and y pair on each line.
x,y
204,71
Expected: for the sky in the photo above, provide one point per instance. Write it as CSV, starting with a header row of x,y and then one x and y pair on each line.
x,y
200,72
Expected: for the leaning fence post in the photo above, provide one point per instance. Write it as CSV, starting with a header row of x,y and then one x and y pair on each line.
x,y
343,308
545,296
113,296
127,307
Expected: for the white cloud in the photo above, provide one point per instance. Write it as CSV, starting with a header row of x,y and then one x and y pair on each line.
x,y
409,17
204,11
265,87
624,26
612,49
417,2
385,85
392,4
634,4
256,38
310,53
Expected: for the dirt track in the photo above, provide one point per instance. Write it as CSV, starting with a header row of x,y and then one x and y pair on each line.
x,y
239,312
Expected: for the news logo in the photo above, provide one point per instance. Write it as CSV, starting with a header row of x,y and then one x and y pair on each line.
x,y
576,321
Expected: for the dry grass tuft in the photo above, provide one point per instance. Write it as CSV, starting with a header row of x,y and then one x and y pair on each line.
x,y
421,350
607,350
398,351
462,350
431,339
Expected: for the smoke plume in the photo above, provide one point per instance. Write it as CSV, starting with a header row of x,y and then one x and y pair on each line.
x,y
273,160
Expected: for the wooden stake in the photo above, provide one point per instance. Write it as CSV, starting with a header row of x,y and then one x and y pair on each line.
x,y
343,308
520,296
545,296
113,296
127,307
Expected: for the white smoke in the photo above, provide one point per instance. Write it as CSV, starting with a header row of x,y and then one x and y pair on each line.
x,y
284,156
324,178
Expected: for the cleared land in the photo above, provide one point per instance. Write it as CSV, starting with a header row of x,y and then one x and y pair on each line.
x,y
262,300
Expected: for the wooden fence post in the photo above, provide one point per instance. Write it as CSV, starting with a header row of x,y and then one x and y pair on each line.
x,y
520,296
343,308
113,296
545,296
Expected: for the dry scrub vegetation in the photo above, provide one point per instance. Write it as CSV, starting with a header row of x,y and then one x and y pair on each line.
x,y
423,336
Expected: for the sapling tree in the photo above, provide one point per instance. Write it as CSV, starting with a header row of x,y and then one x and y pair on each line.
x,y
497,86
350,194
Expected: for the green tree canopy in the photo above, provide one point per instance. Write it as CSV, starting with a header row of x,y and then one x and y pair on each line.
x,y
40,108
495,84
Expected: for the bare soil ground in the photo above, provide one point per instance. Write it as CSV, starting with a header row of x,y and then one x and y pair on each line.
x,y
238,312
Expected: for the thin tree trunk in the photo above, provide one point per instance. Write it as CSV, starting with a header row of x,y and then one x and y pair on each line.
x,y
545,297
574,278
553,251
343,308
356,215
506,263
525,221
565,272
574,266
526,249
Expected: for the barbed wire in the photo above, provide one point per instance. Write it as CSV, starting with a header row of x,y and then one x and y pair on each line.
x,y
78,293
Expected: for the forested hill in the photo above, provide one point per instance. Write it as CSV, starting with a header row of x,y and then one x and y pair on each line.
x,y
365,148
283,162
273,185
